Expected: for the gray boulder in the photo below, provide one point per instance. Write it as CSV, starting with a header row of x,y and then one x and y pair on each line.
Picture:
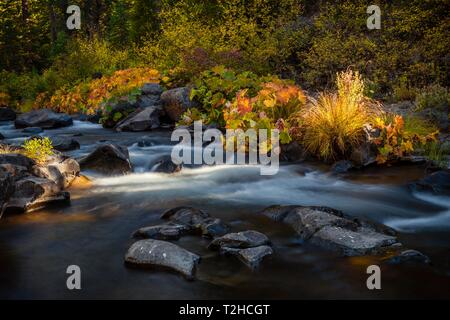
x,y
141,120
43,118
333,230
342,166
437,182
60,169
33,193
152,89
176,102
110,159
162,254
65,144
17,160
252,257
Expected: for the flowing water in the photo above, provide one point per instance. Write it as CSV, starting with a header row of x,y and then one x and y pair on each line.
x,y
94,231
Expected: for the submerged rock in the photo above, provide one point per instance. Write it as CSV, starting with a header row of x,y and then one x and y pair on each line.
x,y
169,231
162,254
240,240
7,114
253,257
165,165
65,144
141,120
409,257
176,102
437,182
110,159
16,159
333,230
342,166
43,118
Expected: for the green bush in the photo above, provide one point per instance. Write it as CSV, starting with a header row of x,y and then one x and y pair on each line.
x,y
434,96
38,149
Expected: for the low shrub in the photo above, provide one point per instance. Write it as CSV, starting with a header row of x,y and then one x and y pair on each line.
x,y
38,149
434,96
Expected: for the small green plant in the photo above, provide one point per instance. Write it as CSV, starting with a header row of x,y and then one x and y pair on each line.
x,y
38,149
438,153
434,96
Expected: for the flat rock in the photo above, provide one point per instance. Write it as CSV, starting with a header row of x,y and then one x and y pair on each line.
x,y
162,254
251,257
65,144
110,159
241,240
141,120
409,257
333,230
43,118
351,243
169,231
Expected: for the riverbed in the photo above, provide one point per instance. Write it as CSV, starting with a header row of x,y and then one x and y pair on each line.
x,y
94,232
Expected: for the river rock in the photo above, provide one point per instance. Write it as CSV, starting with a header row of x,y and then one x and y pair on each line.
x,y
437,182
60,169
342,166
141,120
409,257
364,155
165,165
169,231
65,144
32,193
252,257
7,187
7,114
293,152
241,240
197,221
333,230
176,102
43,118
162,254
110,159
16,159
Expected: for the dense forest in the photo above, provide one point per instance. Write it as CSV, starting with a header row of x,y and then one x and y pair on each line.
x,y
308,41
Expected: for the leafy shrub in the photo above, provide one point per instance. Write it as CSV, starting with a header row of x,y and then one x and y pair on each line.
x,y
398,137
215,87
434,96
38,149
98,94
274,106
438,153
334,123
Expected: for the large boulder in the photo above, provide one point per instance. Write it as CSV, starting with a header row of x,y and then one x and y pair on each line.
x,y
32,193
16,159
141,120
60,169
438,182
409,257
162,254
333,230
110,159
7,114
43,118
176,102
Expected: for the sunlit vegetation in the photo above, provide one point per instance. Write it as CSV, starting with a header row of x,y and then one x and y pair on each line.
x,y
98,94
38,149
